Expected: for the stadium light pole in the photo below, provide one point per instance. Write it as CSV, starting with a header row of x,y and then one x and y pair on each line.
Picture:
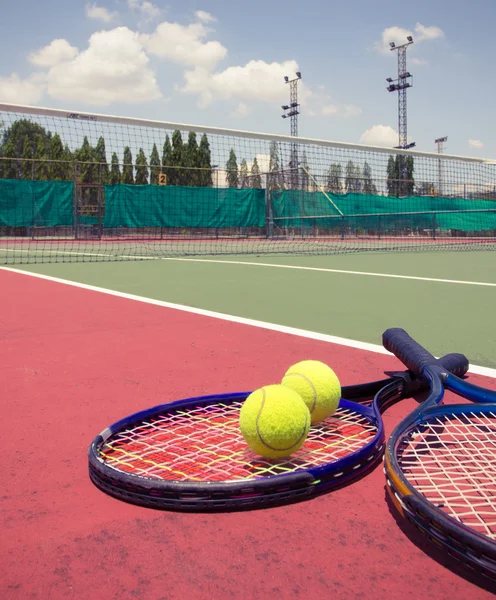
x,y
291,112
440,148
401,84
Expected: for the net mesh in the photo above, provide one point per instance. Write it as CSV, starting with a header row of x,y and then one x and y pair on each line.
x,y
204,443
83,187
451,461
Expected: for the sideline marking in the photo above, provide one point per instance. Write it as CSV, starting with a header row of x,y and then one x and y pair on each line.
x,y
323,337
370,274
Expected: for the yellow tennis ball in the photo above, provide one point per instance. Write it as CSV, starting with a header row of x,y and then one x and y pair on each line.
x,y
317,384
274,421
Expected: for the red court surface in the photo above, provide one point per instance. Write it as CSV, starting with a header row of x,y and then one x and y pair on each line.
x,y
72,362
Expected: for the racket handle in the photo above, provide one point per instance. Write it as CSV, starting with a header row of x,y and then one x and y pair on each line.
x,y
455,363
411,353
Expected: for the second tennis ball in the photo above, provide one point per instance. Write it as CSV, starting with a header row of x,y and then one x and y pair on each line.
x,y
318,386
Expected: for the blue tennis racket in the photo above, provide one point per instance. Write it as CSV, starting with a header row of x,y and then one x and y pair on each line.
x,y
189,455
440,461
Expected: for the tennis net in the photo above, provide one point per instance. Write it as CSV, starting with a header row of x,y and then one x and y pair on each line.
x,y
88,187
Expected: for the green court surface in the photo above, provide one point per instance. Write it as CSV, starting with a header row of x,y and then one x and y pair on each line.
x,y
447,316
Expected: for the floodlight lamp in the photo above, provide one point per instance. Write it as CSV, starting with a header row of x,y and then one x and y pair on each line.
x,y
389,80
392,44
286,79
285,107
409,38
298,74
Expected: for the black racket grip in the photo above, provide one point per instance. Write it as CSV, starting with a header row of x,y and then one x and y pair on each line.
x,y
414,356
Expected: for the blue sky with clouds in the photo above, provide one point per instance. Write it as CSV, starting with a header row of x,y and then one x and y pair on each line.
x,y
216,63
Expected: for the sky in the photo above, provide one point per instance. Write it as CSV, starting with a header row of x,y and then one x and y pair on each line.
x,y
222,64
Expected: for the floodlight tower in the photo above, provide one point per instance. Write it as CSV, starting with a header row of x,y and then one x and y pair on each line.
x,y
440,148
400,85
291,111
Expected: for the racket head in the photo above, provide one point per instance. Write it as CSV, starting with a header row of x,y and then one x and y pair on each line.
x,y
441,476
189,455
440,462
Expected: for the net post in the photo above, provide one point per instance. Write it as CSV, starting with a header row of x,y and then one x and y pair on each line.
x,y
434,226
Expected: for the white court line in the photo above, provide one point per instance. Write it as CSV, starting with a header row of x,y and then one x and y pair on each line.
x,y
323,337
299,267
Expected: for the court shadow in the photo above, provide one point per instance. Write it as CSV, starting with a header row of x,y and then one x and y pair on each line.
x,y
448,561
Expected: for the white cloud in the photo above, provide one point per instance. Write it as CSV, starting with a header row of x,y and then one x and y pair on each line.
x,y
184,45
148,10
55,52
114,68
100,13
380,135
21,91
204,16
475,143
399,34
423,33
242,110
257,80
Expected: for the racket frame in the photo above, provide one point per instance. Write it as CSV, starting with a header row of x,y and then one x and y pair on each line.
x,y
475,550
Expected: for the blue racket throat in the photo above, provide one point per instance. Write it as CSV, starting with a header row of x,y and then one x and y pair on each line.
x,y
440,461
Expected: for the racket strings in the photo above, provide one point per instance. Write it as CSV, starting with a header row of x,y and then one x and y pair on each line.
x,y
204,443
451,461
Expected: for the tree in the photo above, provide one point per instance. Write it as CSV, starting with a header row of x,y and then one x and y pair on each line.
x,y
166,158
69,162
392,177
58,169
192,161
276,182
154,165
177,159
86,160
127,168
232,177
334,179
41,166
400,178
353,178
205,162
9,166
100,155
141,168
27,165
115,171
256,180
369,186
410,183
17,133
244,180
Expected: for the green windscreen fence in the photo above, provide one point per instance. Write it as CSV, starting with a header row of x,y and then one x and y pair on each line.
x,y
26,203
138,206
293,208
